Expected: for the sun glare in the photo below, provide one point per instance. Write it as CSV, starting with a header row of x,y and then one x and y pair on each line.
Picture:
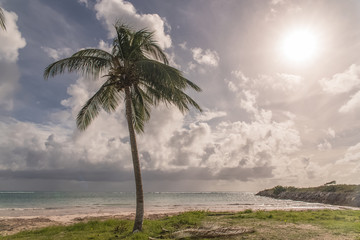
x,y
299,45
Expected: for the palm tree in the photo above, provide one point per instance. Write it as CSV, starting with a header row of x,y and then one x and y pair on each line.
x,y
138,74
2,19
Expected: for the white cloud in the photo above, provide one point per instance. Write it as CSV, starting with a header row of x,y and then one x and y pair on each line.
x,y
45,147
191,66
169,144
183,45
240,76
287,81
208,115
342,82
205,57
283,83
113,10
57,54
276,2
347,168
352,155
331,132
280,81
171,57
325,145
261,142
248,102
105,46
11,42
352,104
85,2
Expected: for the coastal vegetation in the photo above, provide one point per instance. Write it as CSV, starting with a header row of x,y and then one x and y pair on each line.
x,y
137,74
340,188
341,194
248,224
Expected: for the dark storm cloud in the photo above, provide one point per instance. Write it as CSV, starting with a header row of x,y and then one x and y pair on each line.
x,y
108,173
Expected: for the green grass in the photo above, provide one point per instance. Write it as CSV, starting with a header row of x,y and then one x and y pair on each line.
x,y
114,229
267,225
339,221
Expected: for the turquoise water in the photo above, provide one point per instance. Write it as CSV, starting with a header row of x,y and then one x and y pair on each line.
x,y
153,200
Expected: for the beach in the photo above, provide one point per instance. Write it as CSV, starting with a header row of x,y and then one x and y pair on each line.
x,y
16,219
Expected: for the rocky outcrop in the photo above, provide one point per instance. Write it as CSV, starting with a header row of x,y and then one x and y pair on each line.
x,y
312,195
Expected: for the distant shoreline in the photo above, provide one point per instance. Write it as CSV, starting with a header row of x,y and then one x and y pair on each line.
x,y
340,195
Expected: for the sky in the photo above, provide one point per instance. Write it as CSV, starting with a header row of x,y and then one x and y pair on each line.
x,y
280,86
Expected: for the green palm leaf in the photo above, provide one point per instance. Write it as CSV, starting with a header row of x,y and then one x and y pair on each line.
x,y
2,19
106,98
85,65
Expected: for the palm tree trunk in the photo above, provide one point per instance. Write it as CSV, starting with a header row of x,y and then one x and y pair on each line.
x,y
137,171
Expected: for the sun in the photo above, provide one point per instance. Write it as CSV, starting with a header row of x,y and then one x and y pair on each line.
x,y
299,45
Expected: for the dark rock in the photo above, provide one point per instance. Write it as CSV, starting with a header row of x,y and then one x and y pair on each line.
x,y
312,195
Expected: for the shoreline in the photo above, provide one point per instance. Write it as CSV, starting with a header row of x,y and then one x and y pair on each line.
x,y
40,218
331,193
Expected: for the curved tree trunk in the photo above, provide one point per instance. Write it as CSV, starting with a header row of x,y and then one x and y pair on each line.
x,y
137,171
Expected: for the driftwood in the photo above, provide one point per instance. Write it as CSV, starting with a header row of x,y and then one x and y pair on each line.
x,y
210,233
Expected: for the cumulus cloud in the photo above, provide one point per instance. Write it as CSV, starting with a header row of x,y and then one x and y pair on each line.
x,y
111,11
331,132
240,81
325,145
171,58
352,104
208,115
183,45
85,2
57,54
248,102
276,2
105,46
10,43
205,57
352,155
240,76
342,82
279,82
169,149
50,147
10,40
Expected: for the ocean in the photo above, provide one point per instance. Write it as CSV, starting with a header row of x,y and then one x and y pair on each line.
x,y
15,204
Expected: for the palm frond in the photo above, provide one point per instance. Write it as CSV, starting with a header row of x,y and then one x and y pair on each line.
x,y
2,19
154,50
172,96
161,75
111,95
91,52
86,65
122,41
141,104
143,46
107,98
89,112
192,85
